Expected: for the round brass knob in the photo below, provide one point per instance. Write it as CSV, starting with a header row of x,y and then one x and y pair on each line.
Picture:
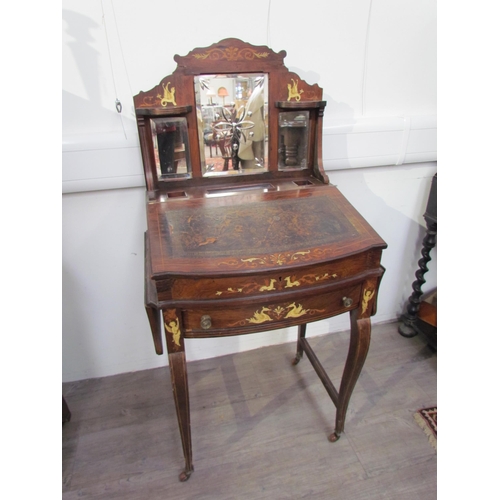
x,y
347,301
206,322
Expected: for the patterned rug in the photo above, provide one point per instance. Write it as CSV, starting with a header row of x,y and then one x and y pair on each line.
x,y
427,419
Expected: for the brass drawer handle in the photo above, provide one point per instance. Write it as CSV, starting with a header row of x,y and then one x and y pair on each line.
x,y
347,301
206,322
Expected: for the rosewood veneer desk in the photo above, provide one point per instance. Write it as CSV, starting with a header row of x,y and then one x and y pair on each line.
x,y
245,233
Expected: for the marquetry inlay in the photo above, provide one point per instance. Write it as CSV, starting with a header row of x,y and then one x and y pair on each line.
x,y
173,327
293,91
168,95
231,54
249,235
276,284
367,296
276,313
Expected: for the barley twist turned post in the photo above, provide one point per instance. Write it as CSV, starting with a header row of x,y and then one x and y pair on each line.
x,y
407,328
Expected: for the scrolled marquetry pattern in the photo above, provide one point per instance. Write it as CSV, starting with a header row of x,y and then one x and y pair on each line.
x,y
231,54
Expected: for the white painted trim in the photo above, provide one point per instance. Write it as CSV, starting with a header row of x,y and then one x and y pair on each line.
x,y
93,162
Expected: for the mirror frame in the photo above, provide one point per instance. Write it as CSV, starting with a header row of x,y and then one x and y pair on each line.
x,y
175,96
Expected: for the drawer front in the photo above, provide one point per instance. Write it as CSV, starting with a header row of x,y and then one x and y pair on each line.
x,y
269,315
269,283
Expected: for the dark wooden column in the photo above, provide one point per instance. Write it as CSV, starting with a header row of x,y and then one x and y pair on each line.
x,y
409,319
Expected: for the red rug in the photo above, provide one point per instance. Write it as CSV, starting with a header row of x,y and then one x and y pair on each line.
x,y
427,419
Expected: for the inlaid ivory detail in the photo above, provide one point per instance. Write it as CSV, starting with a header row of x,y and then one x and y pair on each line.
x,y
173,327
277,284
367,296
277,313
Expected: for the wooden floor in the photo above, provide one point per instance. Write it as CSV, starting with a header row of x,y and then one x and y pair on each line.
x,y
259,428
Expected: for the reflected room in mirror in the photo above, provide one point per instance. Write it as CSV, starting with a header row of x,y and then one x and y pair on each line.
x,y
293,139
171,153
232,112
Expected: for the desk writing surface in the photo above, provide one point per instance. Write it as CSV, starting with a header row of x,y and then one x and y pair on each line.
x,y
246,231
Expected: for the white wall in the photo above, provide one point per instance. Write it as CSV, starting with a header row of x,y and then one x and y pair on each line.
x,y
377,65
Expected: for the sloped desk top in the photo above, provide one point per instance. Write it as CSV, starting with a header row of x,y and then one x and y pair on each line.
x,y
254,231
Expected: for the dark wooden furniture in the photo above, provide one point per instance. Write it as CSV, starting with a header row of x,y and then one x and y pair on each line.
x,y
411,323
265,245
66,413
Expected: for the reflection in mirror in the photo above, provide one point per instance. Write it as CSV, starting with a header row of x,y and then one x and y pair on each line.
x,y
232,123
293,140
170,141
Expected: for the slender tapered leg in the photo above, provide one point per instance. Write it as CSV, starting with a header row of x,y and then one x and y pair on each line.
x,y
178,375
300,350
358,350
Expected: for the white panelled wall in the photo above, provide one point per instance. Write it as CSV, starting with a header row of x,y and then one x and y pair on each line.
x,y
374,59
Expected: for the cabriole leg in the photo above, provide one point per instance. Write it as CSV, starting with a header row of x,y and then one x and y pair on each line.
x,y
358,350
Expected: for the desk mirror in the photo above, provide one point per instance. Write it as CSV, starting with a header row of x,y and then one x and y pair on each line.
x,y
232,120
171,150
229,113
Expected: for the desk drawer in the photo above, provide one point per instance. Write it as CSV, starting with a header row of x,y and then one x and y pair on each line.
x,y
268,283
269,315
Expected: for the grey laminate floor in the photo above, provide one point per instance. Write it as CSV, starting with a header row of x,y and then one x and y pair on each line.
x,y
259,428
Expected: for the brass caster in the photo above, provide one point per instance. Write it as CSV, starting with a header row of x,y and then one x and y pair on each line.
x,y
185,475
296,360
333,437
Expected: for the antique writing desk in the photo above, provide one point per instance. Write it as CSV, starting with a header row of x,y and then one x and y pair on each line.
x,y
245,233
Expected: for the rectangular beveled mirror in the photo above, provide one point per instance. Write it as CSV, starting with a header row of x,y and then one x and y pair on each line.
x,y
232,112
293,139
171,151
